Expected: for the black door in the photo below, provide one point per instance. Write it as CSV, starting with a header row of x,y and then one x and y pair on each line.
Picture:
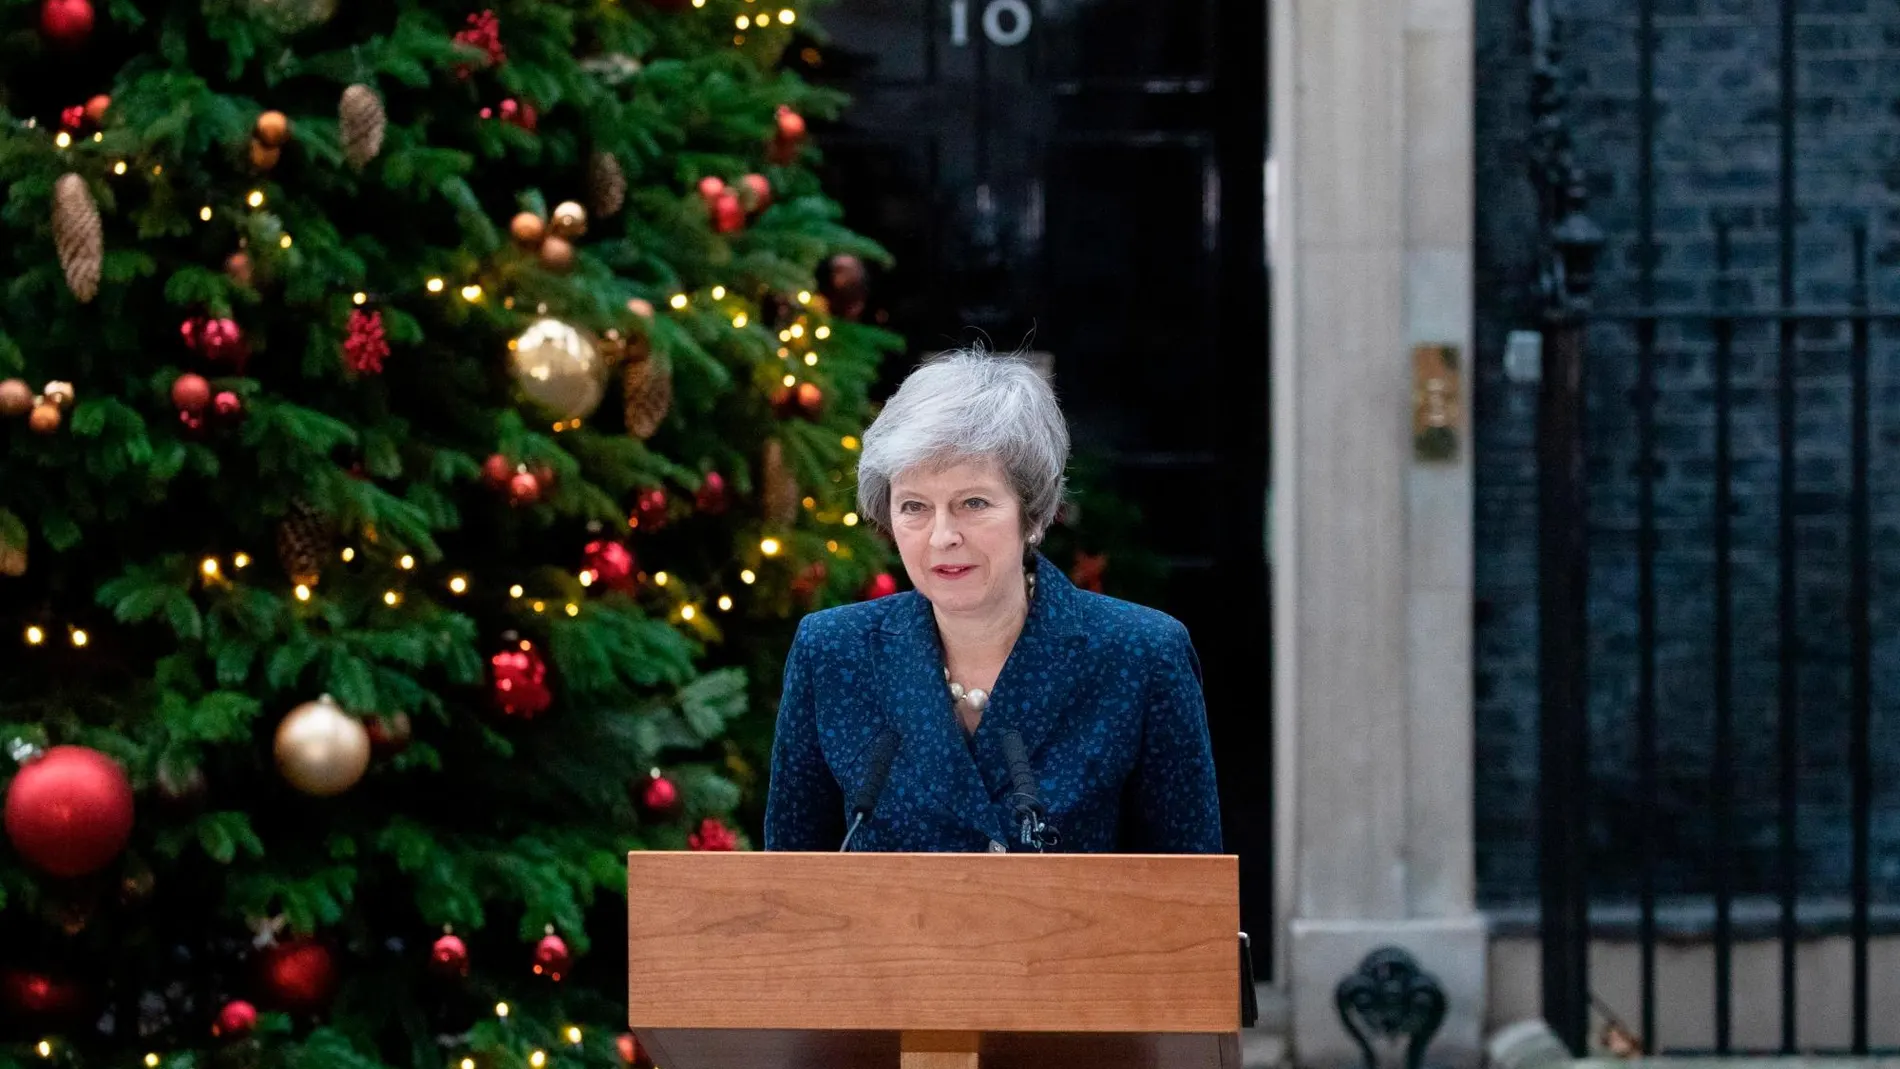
x,y
1084,178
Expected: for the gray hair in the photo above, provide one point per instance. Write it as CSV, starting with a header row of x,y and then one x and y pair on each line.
x,y
970,405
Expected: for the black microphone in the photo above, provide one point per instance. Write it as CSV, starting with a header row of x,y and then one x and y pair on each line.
x,y
877,769
1023,799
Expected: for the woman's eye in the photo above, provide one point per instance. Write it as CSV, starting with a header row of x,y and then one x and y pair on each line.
x,y
976,503
912,507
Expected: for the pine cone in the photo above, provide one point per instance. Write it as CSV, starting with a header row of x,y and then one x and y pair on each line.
x,y
304,542
363,123
778,488
606,184
79,236
649,394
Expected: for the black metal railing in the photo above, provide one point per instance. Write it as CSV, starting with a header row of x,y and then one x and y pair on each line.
x,y
1737,326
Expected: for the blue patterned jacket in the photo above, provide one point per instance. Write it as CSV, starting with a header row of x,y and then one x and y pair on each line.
x,y
1106,695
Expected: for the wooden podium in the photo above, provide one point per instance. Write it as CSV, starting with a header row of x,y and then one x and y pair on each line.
x,y
934,961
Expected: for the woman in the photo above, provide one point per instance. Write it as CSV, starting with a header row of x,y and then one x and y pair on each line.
x,y
964,468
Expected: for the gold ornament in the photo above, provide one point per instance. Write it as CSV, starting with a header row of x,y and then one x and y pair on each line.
x,y
560,369
273,129
649,392
557,254
606,184
780,489
570,220
362,125
45,418
78,235
16,398
322,750
528,230
59,393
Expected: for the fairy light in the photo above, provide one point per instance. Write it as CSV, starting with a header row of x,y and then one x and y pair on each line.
x,y
748,577
850,519
719,293
348,554
725,603
811,359
241,560
787,17
98,139
538,1059
284,242
80,638
468,1063
471,293
783,352
540,606
573,609
119,167
434,285
501,1009
660,578
821,333
359,297
407,562
573,1035
678,301
810,503
831,545
587,577
769,546
458,585
303,592
391,598
798,330
256,199
63,140
804,296
739,321
515,591
687,612
45,1048
850,442
785,335
744,21
209,566
157,169
34,635
790,381
205,213
151,1060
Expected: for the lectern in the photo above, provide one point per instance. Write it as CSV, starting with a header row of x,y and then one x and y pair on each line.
x,y
934,961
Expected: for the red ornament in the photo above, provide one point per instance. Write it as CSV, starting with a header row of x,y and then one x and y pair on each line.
x,y
237,1018
367,346
524,488
191,393
227,404
449,956
74,117
711,498
811,399
520,686
628,1046
217,339
551,958
882,585
650,509
517,113
755,192
712,835
497,470
660,798
298,975
728,214
67,23
70,811
710,187
609,564
96,108
41,996
791,125
484,33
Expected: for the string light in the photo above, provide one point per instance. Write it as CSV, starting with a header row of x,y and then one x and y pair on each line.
x,y
811,359
407,562
514,591
790,381
832,545
458,585
205,213
798,330
660,578
538,1059
284,242
540,606
699,3
45,1048
435,285
745,22
783,353
34,636
468,1063
769,547
359,297
209,566
787,16
850,519
573,609
241,560
678,301
348,554
748,577
98,138
501,1009
725,603
719,293
804,296
784,335
119,167
810,503
471,293
821,333
63,140
80,638
739,321
573,1035
850,442
256,199
687,612
303,592
391,598
151,1060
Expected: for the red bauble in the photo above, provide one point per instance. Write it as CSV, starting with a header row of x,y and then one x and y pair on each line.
x,y
298,975
367,345
755,192
228,404
66,23
70,811
483,32
649,509
710,187
811,399
524,488
611,564
712,835
728,214
520,686
551,958
711,498
882,585
497,470
660,798
191,393
236,1019
74,117
449,956
791,125
628,1046
96,108
517,113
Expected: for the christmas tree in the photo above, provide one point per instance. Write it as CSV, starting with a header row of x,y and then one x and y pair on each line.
x,y
423,425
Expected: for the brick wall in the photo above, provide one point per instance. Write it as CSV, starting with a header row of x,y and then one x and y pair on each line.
x,y
1716,151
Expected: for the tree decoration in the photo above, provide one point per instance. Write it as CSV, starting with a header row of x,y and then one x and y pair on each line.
x,y
882,585
659,797
780,490
712,835
45,418
237,268
528,230
569,220
367,345
449,956
497,470
322,750
73,118
235,1020
650,509
483,33
728,215
66,23
78,233
606,184
551,956
755,192
520,684
16,398
304,543
647,386
557,254
298,975
609,564
515,113
218,340
96,108
524,488
788,138
628,1048
710,498
559,369
227,405
362,123
69,811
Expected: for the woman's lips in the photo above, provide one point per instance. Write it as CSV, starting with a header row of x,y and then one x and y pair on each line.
x,y
952,571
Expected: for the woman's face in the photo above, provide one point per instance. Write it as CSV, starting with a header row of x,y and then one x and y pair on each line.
x,y
959,530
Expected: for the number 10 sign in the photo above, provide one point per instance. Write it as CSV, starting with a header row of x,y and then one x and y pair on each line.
x,y
1005,22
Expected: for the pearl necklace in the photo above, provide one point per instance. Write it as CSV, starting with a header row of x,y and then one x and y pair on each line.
x,y
976,697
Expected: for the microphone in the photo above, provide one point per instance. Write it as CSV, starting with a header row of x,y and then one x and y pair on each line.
x,y
1023,799
877,769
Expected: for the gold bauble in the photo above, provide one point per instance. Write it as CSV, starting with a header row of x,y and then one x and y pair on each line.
x,y
570,219
527,229
264,157
560,369
557,254
321,749
273,128
45,418
16,398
